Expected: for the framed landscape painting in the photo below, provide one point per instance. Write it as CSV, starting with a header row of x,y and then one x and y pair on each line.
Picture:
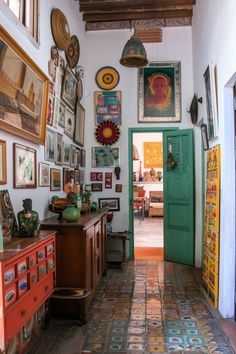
x,y
23,92
159,86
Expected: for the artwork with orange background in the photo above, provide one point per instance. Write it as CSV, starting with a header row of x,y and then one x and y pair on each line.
x,y
153,154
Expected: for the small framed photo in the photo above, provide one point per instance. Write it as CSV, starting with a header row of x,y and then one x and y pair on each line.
x,y
77,158
50,146
113,204
44,175
3,162
55,179
96,187
211,101
96,176
67,148
77,176
59,150
61,114
79,124
58,82
24,167
56,112
81,176
69,123
118,188
66,175
69,85
108,180
72,155
50,109
204,137
82,157
105,157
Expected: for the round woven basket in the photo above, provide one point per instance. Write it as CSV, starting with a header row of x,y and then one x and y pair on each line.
x,y
60,29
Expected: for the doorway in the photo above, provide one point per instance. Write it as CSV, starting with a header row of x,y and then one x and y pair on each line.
x,y
148,199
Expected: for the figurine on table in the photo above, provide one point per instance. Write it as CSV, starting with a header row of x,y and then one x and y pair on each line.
x,y
28,220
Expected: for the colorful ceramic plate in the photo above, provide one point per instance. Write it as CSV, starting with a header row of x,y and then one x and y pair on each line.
x,y
72,52
60,29
107,78
107,133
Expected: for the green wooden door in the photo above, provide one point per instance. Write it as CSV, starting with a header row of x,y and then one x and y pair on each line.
x,y
179,197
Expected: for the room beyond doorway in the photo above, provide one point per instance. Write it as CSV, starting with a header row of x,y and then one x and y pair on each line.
x,y
148,205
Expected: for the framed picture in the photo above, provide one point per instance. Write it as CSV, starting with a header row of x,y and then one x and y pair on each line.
x,y
105,157
108,180
44,175
159,87
77,176
118,188
107,106
69,85
3,162
66,158
81,176
56,112
72,155
82,157
79,124
204,137
113,204
77,157
59,149
24,98
96,187
62,114
66,175
55,179
50,146
58,82
69,123
211,101
8,218
96,176
24,167
50,109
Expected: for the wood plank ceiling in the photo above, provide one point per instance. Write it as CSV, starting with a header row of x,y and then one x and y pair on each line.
x,y
146,16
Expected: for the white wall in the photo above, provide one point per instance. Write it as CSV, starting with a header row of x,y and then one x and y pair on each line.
x,y
40,54
104,48
214,29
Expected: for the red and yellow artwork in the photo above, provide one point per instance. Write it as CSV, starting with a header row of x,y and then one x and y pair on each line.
x,y
211,229
153,153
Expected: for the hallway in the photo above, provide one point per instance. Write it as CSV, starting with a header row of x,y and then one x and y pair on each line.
x,y
150,307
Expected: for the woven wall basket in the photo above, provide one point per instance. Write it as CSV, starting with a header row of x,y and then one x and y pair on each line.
x,y
60,29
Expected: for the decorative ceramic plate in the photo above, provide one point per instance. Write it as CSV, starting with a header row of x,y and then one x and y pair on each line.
x,y
107,133
73,51
107,78
60,29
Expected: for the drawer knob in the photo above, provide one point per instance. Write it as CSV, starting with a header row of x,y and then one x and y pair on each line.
x,y
23,312
46,288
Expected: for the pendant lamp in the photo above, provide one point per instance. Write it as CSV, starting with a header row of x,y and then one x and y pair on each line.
x,y
134,54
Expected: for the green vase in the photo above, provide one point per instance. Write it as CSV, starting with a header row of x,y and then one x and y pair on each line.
x,y
71,213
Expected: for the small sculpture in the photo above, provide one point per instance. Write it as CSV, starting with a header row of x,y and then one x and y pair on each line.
x,y
28,220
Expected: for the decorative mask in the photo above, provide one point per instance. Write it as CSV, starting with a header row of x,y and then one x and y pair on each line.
x,y
117,172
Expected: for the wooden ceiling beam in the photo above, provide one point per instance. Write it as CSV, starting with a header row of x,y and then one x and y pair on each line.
x,y
122,16
99,5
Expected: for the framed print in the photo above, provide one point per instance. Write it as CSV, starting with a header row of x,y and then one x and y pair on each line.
x,y
3,162
81,176
113,204
159,86
50,146
211,102
50,109
24,98
204,137
79,124
56,112
44,175
58,83
66,175
77,176
108,180
59,149
118,188
24,167
82,157
69,86
72,155
96,176
77,157
105,157
96,187
55,179
67,153
107,106
153,154
62,114
69,123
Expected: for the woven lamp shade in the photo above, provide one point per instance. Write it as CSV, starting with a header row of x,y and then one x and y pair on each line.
x,y
134,54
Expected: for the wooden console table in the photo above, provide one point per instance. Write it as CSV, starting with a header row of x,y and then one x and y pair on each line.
x,y
81,254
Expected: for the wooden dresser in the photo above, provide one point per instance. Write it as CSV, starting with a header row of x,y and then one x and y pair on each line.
x,y
27,271
81,252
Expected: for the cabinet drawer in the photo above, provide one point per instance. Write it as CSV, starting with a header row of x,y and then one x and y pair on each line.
x,y
22,266
9,275
41,254
22,285
50,248
10,295
32,260
26,307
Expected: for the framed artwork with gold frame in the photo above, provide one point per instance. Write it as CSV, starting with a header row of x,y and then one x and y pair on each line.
x,y
3,162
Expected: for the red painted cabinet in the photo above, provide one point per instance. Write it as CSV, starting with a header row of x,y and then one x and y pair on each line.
x,y
27,279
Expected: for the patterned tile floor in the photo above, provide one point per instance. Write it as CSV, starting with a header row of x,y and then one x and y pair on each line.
x,y
150,307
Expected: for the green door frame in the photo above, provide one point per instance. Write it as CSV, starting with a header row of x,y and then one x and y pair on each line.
x,y
131,131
